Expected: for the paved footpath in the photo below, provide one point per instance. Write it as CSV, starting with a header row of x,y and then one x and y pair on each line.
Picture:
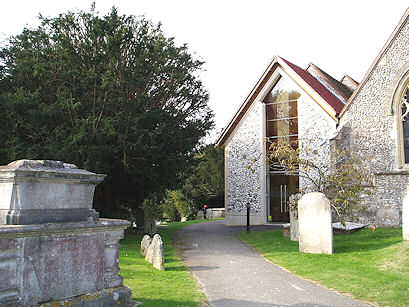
x,y
232,274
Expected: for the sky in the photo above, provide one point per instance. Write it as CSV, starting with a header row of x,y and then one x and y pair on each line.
x,y
238,39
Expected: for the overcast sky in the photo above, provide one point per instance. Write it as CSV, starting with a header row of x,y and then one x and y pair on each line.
x,y
238,39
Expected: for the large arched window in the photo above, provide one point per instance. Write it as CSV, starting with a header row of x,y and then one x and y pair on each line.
x,y
404,120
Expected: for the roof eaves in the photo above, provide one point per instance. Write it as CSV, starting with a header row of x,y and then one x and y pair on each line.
x,y
300,80
293,74
244,106
324,75
349,78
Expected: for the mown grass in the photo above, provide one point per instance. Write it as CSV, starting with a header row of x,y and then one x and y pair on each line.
x,y
372,266
172,287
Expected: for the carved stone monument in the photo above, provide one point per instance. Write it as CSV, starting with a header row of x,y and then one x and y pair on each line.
x,y
315,224
54,249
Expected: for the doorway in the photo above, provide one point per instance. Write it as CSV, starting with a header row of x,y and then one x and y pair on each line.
x,y
280,187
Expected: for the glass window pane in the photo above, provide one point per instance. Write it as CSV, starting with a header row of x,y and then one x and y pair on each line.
x,y
281,110
282,127
283,90
281,114
405,125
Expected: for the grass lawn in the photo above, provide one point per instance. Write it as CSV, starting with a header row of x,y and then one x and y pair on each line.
x,y
373,266
172,287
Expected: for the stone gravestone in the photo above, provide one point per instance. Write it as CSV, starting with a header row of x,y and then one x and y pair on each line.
x,y
294,233
315,224
54,249
149,226
405,214
146,241
155,253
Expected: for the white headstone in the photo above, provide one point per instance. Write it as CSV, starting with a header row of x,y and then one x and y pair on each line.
x,y
315,224
405,214
146,241
155,253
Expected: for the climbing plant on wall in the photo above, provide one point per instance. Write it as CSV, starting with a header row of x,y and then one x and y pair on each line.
x,y
343,180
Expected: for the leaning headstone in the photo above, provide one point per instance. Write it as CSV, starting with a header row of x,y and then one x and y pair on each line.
x,y
294,233
146,241
405,214
158,260
315,224
149,253
155,253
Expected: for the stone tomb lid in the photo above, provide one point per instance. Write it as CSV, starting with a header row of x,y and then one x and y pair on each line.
x,y
45,191
47,169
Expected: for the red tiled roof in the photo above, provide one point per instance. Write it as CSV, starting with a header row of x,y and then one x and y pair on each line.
x,y
330,99
321,90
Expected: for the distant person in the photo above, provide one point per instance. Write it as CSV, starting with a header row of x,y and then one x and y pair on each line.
x,y
204,211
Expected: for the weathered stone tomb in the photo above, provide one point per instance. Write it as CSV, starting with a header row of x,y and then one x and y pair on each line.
x,y
54,249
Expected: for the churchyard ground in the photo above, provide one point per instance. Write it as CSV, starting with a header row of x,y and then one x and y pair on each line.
x,y
172,287
372,266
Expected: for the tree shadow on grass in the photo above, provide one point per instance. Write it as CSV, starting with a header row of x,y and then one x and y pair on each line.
x,y
366,240
176,268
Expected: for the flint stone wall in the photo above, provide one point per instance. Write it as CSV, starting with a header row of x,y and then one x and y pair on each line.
x,y
244,146
315,128
372,120
315,224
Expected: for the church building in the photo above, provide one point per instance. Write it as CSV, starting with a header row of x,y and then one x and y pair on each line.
x,y
309,106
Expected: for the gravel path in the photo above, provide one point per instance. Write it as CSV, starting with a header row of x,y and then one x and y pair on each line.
x,y
232,274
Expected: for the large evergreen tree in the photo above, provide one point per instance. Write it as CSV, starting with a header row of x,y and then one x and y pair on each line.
x,y
205,185
111,94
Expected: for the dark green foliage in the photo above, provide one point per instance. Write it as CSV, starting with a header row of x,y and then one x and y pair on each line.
x,y
152,207
170,206
206,183
177,205
111,94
